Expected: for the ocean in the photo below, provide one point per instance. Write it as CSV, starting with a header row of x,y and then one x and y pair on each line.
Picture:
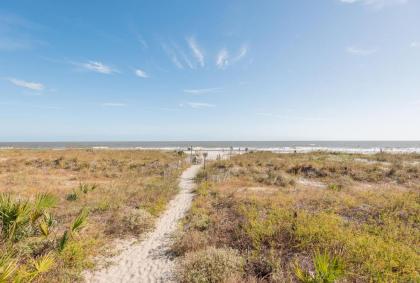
x,y
278,146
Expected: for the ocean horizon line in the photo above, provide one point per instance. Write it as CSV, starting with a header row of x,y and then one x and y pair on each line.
x,y
276,146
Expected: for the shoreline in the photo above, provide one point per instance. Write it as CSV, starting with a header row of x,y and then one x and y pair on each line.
x,y
233,150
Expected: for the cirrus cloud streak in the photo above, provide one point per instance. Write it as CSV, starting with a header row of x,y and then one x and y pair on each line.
x,y
25,84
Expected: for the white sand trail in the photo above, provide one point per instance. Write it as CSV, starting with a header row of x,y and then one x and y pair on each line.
x,y
148,261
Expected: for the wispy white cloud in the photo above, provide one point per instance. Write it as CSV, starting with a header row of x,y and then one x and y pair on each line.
x,y
415,44
222,59
18,33
360,51
172,56
140,73
198,105
141,40
199,91
375,3
113,104
242,53
26,84
10,21
97,67
197,51
10,44
186,60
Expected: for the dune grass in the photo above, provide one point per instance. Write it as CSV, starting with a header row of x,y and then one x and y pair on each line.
x,y
316,217
61,208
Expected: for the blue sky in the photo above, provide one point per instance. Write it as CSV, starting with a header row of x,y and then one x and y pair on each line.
x,y
209,70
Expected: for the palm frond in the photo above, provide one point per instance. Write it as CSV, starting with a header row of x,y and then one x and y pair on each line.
x,y
80,221
44,263
63,241
43,227
42,202
48,218
8,267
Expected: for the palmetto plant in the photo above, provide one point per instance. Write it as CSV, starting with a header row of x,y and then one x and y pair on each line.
x,y
78,223
42,203
41,265
62,243
8,267
327,269
23,218
46,223
15,217
19,218
35,268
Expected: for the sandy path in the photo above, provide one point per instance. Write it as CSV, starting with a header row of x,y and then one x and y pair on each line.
x,y
148,261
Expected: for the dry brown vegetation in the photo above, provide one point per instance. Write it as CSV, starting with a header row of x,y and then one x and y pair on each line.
x,y
60,208
315,217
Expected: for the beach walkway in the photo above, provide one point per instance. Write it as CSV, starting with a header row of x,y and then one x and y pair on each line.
x,y
149,260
